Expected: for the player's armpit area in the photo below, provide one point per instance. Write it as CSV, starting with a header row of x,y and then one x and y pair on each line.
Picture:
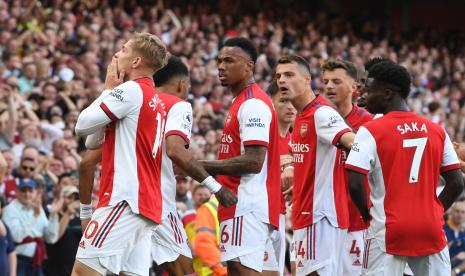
x,y
250,162
358,193
452,189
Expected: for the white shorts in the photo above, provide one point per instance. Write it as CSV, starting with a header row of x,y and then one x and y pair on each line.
x,y
275,251
318,248
110,237
243,239
352,257
379,263
168,241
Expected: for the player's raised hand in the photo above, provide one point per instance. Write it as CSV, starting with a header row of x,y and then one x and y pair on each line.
x,y
114,76
226,197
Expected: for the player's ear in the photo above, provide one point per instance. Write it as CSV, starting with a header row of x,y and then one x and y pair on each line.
x,y
136,62
388,94
250,65
308,79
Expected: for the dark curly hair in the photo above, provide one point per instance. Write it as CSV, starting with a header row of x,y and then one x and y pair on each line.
x,y
393,75
372,62
245,44
174,68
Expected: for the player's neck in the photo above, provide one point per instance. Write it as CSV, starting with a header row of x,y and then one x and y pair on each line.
x,y
345,108
237,88
397,105
134,75
303,100
283,128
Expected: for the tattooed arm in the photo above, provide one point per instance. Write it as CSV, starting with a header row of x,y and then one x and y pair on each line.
x,y
249,162
182,157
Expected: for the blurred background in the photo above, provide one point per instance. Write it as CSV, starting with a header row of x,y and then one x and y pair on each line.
x,y
54,54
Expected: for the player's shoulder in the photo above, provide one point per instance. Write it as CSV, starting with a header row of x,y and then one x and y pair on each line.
x,y
170,100
255,92
363,113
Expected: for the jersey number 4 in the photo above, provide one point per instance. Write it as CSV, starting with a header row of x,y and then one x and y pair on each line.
x,y
419,144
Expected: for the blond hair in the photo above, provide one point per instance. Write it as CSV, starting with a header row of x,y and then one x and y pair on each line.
x,y
151,48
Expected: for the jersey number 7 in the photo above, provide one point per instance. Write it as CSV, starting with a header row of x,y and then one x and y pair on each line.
x,y
419,144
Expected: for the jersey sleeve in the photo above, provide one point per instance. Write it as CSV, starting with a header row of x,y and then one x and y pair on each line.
x,y
179,121
363,153
330,125
93,117
254,118
450,160
122,100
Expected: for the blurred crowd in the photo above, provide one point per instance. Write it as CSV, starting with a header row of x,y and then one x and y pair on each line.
x,y
54,54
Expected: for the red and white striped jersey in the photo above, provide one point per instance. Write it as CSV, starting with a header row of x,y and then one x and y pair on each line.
x,y
403,155
319,187
131,157
178,122
252,121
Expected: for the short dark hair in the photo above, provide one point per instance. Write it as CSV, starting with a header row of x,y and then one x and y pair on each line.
x,y
297,59
272,88
372,62
348,66
392,74
245,44
174,68
433,106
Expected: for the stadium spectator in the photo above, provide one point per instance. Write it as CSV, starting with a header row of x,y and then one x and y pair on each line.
x,y
455,233
61,254
30,228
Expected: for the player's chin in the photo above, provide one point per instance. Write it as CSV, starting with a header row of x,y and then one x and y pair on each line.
x,y
224,82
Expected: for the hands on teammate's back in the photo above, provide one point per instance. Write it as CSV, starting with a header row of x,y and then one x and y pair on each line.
x,y
226,197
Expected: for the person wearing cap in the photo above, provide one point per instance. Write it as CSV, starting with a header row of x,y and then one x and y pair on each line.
x,y
61,254
30,227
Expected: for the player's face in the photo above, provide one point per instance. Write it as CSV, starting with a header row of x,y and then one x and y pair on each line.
x,y
338,86
361,100
284,109
184,87
234,66
126,58
292,80
375,96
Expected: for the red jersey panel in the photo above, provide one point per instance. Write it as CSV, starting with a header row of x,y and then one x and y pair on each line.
x,y
404,155
252,121
319,187
131,156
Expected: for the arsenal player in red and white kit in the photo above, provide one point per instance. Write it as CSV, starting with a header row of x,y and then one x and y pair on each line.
x,y
340,83
169,246
285,113
319,205
248,162
130,195
403,155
